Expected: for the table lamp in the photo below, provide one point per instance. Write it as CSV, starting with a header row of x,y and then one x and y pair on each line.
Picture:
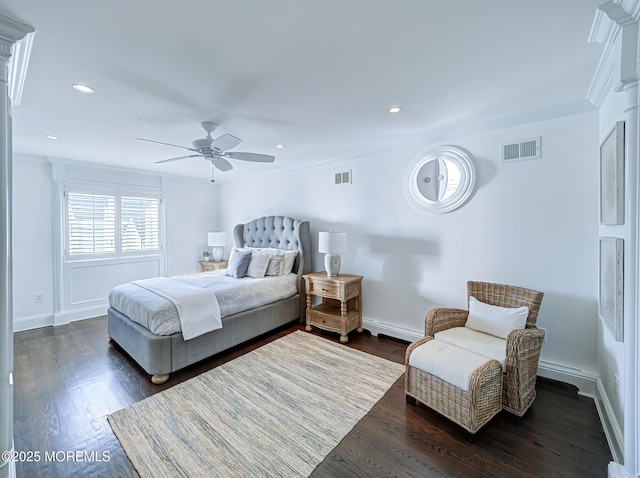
x,y
217,241
332,244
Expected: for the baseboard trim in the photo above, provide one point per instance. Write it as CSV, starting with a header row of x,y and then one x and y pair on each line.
x,y
616,470
34,322
612,431
59,318
376,328
68,316
585,380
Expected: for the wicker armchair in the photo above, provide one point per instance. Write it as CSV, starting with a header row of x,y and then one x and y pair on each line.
x,y
523,346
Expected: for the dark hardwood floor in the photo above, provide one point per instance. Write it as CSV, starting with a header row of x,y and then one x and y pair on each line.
x,y
69,378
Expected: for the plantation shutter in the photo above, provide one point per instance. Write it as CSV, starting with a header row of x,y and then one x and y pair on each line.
x,y
139,224
91,226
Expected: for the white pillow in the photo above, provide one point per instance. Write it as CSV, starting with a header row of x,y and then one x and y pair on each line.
x,y
289,260
258,265
275,258
276,261
287,264
495,320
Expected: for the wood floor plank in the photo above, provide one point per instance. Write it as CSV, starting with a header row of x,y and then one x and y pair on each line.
x,y
69,378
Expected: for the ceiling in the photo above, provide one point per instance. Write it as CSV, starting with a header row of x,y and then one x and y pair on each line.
x,y
318,77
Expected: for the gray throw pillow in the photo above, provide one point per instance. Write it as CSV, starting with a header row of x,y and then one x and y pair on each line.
x,y
238,264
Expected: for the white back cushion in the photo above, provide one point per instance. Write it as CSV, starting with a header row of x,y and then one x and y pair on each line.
x,y
495,320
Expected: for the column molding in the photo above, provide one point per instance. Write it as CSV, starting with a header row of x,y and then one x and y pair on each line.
x,y
616,27
11,31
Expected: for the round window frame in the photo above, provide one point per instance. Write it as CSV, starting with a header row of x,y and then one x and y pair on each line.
x,y
462,159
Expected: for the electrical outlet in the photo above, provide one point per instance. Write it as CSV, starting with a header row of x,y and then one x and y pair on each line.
x,y
615,385
39,297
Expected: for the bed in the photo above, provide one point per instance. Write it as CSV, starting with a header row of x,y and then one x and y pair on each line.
x,y
160,355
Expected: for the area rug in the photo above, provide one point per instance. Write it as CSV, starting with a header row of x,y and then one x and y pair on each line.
x,y
277,411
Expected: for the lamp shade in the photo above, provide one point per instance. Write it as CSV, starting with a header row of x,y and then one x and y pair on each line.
x,y
332,242
217,239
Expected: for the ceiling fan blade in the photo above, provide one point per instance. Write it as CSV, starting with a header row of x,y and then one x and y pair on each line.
x,y
166,144
255,157
179,157
222,164
225,142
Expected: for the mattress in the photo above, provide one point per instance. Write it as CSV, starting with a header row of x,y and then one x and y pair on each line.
x,y
160,316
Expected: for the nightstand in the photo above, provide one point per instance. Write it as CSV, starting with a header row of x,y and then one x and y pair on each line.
x,y
340,310
206,266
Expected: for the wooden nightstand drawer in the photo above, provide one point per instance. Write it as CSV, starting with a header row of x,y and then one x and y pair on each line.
x,y
324,289
325,318
206,266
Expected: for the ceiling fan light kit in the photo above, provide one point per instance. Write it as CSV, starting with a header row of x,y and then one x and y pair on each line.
x,y
215,150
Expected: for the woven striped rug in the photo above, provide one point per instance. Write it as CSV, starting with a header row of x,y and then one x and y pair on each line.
x,y
277,411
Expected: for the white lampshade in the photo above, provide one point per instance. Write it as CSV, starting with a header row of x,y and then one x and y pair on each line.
x,y
217,238
332,242
217,241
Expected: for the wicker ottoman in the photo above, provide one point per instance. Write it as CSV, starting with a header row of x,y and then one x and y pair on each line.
x,y
459,384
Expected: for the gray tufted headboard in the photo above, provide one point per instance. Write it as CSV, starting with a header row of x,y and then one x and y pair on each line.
x,y
281,232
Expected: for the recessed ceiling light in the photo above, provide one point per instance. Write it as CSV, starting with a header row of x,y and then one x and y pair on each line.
x,y
280,146
51,136
395,109
83,88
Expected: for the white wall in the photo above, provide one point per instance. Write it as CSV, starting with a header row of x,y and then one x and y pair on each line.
x,y
33,254
190,212
530,223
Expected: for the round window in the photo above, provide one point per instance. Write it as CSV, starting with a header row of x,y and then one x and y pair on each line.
x,y
440,180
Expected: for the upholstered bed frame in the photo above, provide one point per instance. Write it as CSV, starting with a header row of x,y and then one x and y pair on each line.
x,y
159,355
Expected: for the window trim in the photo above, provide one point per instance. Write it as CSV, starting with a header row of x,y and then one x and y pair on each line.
x,y
117,194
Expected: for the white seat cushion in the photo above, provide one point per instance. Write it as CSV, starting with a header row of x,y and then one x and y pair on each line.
x,y
488,346
451,364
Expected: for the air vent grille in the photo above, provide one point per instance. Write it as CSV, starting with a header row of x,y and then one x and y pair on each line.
x,y
343,178
520,150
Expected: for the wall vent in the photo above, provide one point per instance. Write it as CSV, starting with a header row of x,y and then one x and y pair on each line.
x,y
520,150
343,178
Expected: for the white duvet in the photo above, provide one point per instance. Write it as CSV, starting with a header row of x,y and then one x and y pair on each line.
x,y
197,308
160,316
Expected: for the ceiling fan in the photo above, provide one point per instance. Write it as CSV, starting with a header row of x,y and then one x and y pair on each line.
x,y
215,150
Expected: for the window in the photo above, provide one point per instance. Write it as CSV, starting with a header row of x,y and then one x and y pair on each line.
x,y
92,219
139,224
91,225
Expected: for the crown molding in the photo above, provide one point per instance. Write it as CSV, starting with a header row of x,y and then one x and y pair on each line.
x,y
611,20
10,32
18,67
603,79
